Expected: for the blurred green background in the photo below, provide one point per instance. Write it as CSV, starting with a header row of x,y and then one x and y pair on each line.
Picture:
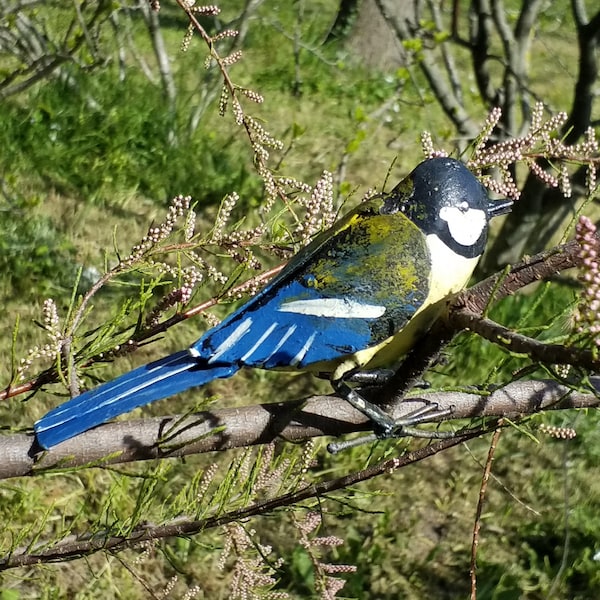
x,y
91,153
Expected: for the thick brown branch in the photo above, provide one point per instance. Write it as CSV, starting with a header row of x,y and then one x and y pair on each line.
x,y
530,270
223,429
512,401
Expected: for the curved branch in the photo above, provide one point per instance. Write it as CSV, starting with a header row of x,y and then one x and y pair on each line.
x,y
521,344
544,265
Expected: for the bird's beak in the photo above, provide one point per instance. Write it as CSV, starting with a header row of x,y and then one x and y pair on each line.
x,y
499,207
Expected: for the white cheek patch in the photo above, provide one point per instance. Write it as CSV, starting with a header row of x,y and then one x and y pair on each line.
x,y
465,227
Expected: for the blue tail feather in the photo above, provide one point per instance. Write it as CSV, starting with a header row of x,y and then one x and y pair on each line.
x,y
154,381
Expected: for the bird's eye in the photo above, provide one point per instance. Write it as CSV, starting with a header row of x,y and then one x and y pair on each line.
x,y
463,206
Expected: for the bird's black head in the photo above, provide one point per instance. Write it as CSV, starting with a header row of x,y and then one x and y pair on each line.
x,y
442,197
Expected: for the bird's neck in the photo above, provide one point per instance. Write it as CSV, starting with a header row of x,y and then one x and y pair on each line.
x,y
450,272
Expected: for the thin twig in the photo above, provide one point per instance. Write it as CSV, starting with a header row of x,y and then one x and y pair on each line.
x,y
482,492
74,548
50,375
521,344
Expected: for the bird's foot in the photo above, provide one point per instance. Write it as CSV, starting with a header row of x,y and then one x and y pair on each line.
x,y
386,426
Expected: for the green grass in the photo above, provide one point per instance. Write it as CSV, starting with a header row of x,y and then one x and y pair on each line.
x,y
99,154
36,258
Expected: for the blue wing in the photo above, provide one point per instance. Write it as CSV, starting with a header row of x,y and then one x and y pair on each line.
x,y
294,327
351,288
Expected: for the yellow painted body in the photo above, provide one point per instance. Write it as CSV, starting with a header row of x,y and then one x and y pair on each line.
x,y
450,273
447,273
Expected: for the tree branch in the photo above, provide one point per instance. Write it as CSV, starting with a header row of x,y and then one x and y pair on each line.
x,y
293,421
521,344
588,37
427,62
75,547
531,270
479,36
